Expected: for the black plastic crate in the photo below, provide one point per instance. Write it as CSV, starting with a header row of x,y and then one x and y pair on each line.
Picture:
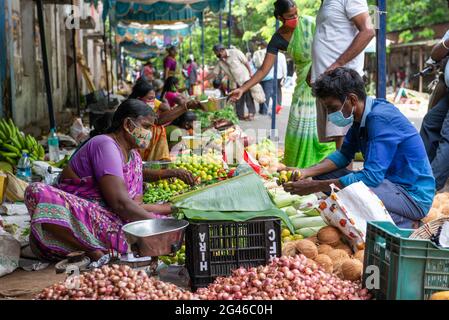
x,y
215,248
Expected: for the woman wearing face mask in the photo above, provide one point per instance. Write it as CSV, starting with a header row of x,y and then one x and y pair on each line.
x,y
158,150
302,147
99,191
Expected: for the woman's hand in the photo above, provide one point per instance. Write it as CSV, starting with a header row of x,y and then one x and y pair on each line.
x,y
236,94
162,209
184,175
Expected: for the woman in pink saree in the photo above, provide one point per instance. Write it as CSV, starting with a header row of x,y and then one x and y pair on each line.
x,y
98,192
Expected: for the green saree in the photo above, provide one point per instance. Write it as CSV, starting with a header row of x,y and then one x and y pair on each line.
x,y
302,147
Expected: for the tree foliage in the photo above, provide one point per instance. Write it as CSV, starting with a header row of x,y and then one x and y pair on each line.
x,y
253,20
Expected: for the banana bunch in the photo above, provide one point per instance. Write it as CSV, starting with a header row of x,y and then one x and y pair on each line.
x,y
13,143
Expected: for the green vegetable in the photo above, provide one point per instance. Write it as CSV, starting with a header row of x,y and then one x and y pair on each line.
x,y
306,202
313,212
290,211
303,222
308,232
283,199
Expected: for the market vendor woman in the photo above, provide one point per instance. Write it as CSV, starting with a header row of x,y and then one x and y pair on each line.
x,y
396,166
99,191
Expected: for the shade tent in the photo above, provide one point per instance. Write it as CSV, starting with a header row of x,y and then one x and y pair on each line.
x,y
148,34
162,12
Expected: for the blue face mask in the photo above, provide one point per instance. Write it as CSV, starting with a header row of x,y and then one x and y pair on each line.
x,y
339,119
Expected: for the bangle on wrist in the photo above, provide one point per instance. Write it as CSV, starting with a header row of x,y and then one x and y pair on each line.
x,y
443,42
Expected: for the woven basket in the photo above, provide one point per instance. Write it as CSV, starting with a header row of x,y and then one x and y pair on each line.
x,y
429,229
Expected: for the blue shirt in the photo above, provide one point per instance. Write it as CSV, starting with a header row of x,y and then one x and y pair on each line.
x,y
392,149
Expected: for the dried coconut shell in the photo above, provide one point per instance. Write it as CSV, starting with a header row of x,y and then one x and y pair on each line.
x,y
307,248
344,247
324,248
324,261
352,270
338,254
314,239
359,255
337,266
289,249
311,263
445,210
329,235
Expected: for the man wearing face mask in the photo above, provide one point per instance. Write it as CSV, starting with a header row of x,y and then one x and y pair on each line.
x,y
396,166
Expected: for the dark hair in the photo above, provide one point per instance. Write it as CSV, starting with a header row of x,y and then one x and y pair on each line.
x,y
218,47
168,85
282,6
130,108
216,83
338,83
102,124
186,117
148,63
141,89
189,61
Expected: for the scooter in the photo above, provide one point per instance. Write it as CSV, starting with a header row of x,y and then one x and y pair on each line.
x,y
437,87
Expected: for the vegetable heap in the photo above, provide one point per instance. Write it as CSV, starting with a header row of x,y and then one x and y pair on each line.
x,y
329,250
179,258
163,190
207,118
114,283
285,278
204,168
13,143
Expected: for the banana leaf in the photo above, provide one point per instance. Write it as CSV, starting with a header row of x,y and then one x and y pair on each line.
x,y
245,192
238,216
238,199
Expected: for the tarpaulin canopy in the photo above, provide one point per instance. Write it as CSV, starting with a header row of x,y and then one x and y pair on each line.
x,y
141,51
148,33
162,12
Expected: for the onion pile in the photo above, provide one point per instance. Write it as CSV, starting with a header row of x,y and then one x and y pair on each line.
x,y
116,282
285,278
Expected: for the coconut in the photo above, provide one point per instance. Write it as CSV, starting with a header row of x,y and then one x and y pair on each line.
x,y
433,214
289,249
324,248
307,248
311,263
329,235
325,262
337,254
336,264
352,269
344,247
314,239
359,255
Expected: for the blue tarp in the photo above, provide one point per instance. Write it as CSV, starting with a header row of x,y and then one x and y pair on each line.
x,y
159,12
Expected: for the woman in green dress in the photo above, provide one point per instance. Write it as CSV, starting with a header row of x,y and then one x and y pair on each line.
x,y
302,147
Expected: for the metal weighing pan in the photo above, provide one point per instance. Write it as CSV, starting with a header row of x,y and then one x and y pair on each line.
x,y
156,237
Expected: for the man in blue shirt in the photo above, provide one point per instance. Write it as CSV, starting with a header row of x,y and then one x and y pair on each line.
x,y
396,166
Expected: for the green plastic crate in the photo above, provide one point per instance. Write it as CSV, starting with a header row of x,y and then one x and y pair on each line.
x,y
409,269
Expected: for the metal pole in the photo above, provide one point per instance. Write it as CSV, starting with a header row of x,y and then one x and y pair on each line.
x,y
40,17
190,40
202,50
105,45
381,50
110,52
275,88
220,27
75,74
230,24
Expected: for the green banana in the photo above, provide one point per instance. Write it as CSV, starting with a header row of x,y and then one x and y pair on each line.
x,y
41,152
11,155
11,148
3,136
10,161
3,128
15,142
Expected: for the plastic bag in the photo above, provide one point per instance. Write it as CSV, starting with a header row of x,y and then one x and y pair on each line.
x,y
350,209
9,253
78,131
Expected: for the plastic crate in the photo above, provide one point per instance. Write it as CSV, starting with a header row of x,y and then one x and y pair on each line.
x,y
215,248
409,269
